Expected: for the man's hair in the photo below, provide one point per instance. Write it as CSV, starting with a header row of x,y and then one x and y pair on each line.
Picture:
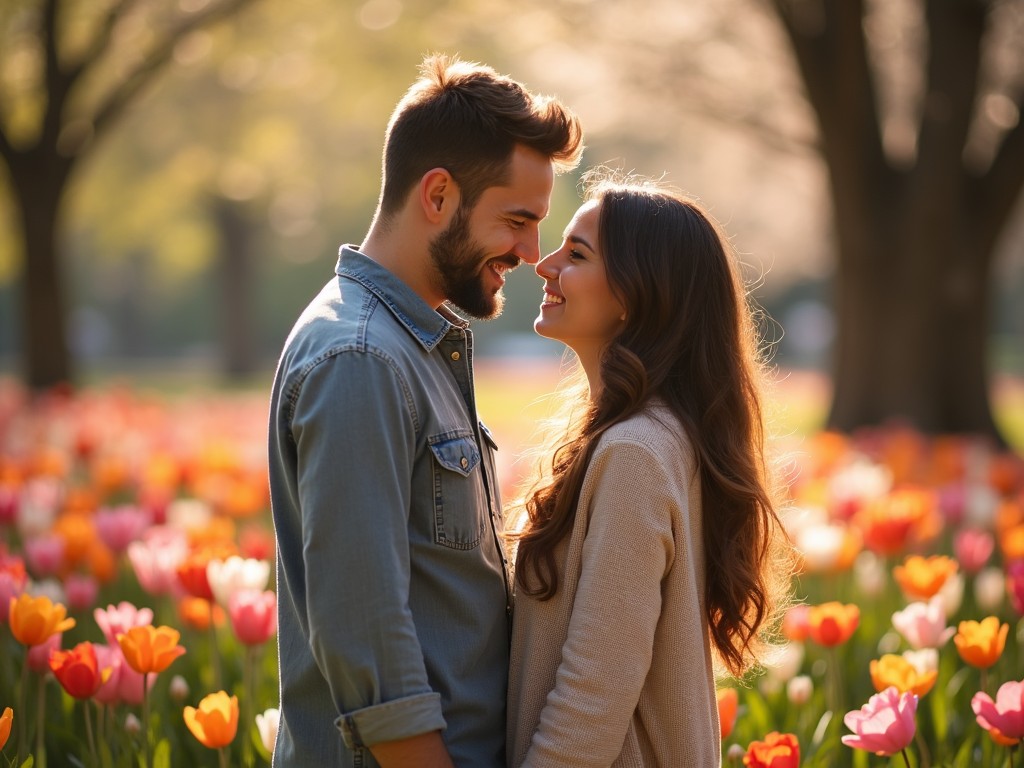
x,y
466,118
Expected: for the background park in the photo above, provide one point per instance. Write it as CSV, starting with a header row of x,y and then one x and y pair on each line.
x,y
176,176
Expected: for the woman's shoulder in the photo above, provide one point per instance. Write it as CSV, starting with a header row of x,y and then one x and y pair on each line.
x,y
654,428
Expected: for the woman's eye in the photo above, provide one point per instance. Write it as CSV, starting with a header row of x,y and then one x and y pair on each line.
x,y
574,254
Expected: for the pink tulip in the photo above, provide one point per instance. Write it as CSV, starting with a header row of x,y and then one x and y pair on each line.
x,y
8,505
81,590
924,624
973,548
117,619
108,657
12,584
44,554
120,526
1005,714
38,659
156,558
1015,585
253,615
885,725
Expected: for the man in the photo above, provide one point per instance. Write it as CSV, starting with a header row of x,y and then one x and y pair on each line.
x,y
394,598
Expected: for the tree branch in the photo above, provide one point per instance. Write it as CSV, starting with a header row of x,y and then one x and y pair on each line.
x,y
54,82
102,39
158,57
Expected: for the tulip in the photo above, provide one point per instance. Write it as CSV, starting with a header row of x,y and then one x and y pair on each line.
x,y
253,615
192,575
44,554
735,754
110,658
120,526
78,671
924,624
12,584
1003,717
799,690
132,724
117,619
784,662
234,575
200,614
81,590
973,548
728,704
148,649
980,644
155,560
923,577
925,660
215,722
6,720
903,516
778,750
37,506
869,574
833,623
989,588
1015,585
267,725
885,725
34,619
897,672
952,594
179,689
38,656
795,624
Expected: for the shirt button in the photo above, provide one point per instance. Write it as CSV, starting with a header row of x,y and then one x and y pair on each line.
x,y
463,461
456,355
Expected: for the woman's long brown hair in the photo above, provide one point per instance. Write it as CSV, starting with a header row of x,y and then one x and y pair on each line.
x,y
689,340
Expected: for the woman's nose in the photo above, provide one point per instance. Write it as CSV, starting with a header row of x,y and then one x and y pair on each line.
x,y
546,266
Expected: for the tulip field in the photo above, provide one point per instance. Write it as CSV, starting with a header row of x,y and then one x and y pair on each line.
x,y
139,621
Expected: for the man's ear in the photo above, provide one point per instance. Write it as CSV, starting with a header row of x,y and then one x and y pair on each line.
x,y
439,195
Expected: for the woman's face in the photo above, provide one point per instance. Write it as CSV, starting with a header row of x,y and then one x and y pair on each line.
x,y
579,308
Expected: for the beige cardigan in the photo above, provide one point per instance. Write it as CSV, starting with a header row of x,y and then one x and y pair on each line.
x,y
616,669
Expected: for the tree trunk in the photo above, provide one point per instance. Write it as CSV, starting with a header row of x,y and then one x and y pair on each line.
x,y
235,279
44,334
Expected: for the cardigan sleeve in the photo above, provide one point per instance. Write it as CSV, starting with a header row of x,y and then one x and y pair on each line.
x,y
627,552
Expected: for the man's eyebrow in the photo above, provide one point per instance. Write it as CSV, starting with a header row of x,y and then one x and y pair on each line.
x,y
525,213
579,240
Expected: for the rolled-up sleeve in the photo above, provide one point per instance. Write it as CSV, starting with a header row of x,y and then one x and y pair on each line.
x,y
354,427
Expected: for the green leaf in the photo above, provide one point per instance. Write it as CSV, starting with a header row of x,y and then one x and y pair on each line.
x,y
162,754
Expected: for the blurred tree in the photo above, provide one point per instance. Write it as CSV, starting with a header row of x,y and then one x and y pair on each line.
x,y
918,109
70,72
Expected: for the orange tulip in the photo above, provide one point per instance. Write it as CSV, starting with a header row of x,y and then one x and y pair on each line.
x,y
893,670
981,644
778,750
215,722
34,619
195,613
728,703
150,649
832,623
6,720
906,515
921,578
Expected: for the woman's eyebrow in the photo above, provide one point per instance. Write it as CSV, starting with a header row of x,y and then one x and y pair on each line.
x,y
580,241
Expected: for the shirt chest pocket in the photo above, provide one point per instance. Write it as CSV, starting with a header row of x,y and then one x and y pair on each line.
x,y
460,506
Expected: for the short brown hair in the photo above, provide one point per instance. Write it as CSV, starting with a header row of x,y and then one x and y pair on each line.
x,y
466,118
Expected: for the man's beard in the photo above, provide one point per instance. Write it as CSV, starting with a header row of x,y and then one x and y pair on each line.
x,y
459,265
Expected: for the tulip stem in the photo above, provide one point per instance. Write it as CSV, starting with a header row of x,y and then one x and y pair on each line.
x,y
215,650
22,707
40,757
906,759
145,719
222,757
89,733
249,685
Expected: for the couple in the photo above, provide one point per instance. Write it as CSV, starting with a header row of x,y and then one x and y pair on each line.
x,y
643,564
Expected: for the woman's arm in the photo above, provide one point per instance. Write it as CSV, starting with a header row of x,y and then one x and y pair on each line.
x,y
627,552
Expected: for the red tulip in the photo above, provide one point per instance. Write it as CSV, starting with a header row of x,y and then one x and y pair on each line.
x,y
77,670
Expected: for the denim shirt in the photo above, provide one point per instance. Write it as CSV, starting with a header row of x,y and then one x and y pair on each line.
x,y
393,595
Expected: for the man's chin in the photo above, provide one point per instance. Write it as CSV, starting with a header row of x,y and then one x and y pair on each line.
x,y
481,309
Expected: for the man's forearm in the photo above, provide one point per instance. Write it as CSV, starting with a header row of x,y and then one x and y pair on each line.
x,y
426,750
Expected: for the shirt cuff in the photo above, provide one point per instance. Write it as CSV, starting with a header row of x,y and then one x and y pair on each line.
x,y
392,720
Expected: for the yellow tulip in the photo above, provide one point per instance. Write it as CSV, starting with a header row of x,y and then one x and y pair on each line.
x,y
923,577
150,649
893,670
34,620
215,722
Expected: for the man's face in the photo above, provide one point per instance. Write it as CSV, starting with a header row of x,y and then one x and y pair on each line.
x,y
480,245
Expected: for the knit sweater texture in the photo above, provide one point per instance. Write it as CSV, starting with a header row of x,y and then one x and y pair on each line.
x,y
616,669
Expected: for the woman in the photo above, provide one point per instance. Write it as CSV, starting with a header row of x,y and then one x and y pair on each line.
x,y
650,553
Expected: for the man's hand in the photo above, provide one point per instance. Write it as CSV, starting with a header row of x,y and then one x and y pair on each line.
x,y
424,751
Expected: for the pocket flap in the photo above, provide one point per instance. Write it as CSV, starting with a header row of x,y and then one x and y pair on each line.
x,y
458,453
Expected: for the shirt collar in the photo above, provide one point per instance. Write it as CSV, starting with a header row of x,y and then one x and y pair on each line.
x,y
425,323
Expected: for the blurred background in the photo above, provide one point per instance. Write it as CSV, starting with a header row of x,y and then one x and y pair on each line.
x,y
176,177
